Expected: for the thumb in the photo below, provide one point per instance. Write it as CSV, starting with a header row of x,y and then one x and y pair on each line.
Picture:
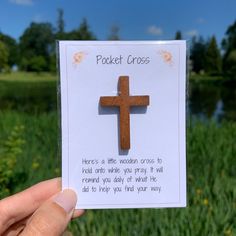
x,y
53,216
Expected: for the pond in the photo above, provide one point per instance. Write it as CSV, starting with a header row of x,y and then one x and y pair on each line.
x,y
207,100
29,97
215,101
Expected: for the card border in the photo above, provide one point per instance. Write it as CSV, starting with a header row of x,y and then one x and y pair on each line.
x,y
179,43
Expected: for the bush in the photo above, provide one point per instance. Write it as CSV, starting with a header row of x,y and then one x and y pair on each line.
x,y
231,65
3,57
10,151
34,64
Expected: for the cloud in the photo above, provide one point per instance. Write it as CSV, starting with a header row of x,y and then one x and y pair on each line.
x,y
38,18
22,2
192,33
154,30
200,20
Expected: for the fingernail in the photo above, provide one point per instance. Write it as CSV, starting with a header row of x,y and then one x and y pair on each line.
x,y
66,199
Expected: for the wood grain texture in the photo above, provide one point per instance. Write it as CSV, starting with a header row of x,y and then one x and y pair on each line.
x,y
124,101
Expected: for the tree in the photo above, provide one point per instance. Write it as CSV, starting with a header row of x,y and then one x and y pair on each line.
x,y
82,33
213,63
60,34
12,48
37,64
37,40
198,53
3,56
114,35
60,22
178,35
229,42
229,47
230,62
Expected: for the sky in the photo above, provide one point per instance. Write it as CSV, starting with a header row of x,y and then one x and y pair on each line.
x,y
137,19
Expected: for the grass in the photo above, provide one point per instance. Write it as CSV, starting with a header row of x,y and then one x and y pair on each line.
x,y
211,180
27,77
205,78
28,92
29,154
38,157
46,77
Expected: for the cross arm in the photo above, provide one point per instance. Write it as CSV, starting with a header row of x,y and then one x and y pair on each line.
x,y
139,100
110,101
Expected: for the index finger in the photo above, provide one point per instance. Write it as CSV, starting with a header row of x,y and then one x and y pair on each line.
x,y
20,205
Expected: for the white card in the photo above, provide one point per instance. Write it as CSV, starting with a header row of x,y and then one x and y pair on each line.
x,y
152,172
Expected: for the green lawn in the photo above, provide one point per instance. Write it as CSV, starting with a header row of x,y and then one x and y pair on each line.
x,y
27,77
206,78
211,179
44,76
29,153
28,92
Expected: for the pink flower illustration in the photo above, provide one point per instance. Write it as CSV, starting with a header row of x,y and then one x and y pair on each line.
x,y
167,57
78,57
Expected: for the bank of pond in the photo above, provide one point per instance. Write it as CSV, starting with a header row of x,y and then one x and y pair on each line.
x,y
209,99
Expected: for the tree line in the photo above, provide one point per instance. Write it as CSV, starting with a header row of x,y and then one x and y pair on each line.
x,y
207,58
36,50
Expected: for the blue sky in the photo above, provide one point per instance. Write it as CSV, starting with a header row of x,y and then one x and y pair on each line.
x,y
137,19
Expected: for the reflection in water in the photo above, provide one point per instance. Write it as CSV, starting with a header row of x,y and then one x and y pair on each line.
x,y
207,100
212,101
219,111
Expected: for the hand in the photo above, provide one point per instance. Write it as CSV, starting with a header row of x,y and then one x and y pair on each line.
x,y
39,210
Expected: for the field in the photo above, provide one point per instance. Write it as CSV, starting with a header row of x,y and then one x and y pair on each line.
x,y
29,153
28,92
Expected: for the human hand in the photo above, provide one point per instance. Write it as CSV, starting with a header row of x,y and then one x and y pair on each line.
x,y
39,210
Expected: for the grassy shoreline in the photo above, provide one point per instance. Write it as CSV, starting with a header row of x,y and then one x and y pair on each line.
x,y
29,154
211,179
21,76
28,77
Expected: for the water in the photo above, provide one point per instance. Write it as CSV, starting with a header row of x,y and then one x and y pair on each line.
x,y
33,98
215,101
206,100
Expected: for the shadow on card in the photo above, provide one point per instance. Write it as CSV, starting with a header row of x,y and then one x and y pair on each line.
x,y
115,111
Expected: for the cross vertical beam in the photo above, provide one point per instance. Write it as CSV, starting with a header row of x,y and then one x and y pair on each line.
x,y
124,101
124,112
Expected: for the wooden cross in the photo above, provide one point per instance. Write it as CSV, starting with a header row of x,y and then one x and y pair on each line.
x,y
124,101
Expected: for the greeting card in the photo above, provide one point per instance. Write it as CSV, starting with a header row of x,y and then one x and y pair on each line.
x,y
123,122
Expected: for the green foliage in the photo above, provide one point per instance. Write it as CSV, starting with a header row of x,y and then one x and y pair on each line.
x,y
4,54
60,22
213,64
229,42
206,57
114,35
10,152
178,35
60,29
12,48
36,49
28,92
198,54
82,33
29,152
29,77
211,194
36,43
229,46
211,181
231,65
37,64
